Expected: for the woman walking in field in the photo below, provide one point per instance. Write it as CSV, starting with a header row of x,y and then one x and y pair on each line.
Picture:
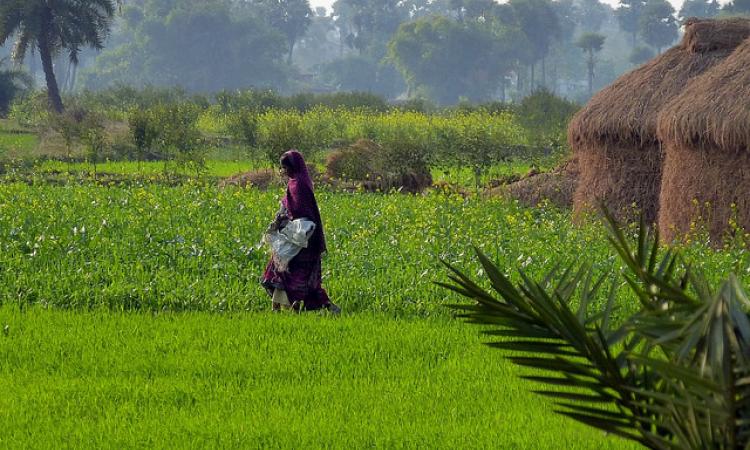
x,y
299,284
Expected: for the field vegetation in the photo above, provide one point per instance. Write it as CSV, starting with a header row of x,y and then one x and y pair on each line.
x,y
186,134
106,380
113,224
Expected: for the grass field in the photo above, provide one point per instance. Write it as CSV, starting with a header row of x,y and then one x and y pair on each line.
x,y
226,168
17,142
198,380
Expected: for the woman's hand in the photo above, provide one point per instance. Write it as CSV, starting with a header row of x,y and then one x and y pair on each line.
x,y
281,221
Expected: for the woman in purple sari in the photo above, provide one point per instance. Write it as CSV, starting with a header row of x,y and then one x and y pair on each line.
x,y
300,285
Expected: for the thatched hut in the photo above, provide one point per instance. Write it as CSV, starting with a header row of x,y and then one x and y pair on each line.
x,y
706,136
614,135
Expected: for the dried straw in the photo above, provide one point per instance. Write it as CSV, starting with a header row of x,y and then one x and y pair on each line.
x,y
706,134
623,117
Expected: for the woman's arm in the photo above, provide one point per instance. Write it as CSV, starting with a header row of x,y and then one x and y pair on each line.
x,y
280,221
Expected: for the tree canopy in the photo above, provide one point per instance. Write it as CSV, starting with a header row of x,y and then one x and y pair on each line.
x,y
53,27
228,49
450,59
658,25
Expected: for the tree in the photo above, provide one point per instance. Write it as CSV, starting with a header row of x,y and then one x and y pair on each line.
x,y
592,14
474,9
669,373
699,8
657,24
367,25
12,83
291,17
738,7
53,27
534,16
356,73
451,59
629,16
591,44
319,45
640,55
228,49
568,17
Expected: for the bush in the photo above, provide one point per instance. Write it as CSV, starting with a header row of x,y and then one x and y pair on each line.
x,y
283,132
94,137
367,163
13,84
169,132
546,117
70,126
31,110
349,100
357,162
243,126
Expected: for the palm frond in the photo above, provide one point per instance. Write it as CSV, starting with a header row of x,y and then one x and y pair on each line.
x,y
675,374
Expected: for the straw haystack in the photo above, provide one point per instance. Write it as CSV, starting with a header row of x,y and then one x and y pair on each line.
x,y
706,136
614,136
556,187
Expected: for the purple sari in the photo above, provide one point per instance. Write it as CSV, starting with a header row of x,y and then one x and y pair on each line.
x,y
302,280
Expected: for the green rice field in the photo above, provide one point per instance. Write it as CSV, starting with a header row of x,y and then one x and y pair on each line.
x,y
101,379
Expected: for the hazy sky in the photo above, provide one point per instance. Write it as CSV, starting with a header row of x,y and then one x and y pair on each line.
x,y
675,3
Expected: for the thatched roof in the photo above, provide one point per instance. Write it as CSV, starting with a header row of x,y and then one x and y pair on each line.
x,y
626,112
714,110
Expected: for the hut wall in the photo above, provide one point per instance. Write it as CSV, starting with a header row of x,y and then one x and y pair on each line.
x,y
626,179
704,189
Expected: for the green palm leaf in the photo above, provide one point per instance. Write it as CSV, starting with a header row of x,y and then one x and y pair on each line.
x,y
675,374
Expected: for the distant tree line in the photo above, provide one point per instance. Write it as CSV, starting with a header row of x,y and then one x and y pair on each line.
x,y
443,50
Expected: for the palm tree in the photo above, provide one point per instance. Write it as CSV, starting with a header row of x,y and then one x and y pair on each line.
x,y
591,43
53,26
12,83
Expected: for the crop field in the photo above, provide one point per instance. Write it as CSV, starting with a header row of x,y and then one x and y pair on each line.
x,y
131,313
72,379
128,325
194,247
224,168
16,142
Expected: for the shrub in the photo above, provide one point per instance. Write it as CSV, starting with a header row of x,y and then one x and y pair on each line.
x,y
351,100
144,132
357,162
243,126
258,100
283,132
178,137
546,117
169,132
31,110
94,137
70,126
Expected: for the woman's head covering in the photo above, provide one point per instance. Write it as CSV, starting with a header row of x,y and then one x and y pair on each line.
x,y
300,199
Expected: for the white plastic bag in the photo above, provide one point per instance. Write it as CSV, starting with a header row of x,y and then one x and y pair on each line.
x,y
286,243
